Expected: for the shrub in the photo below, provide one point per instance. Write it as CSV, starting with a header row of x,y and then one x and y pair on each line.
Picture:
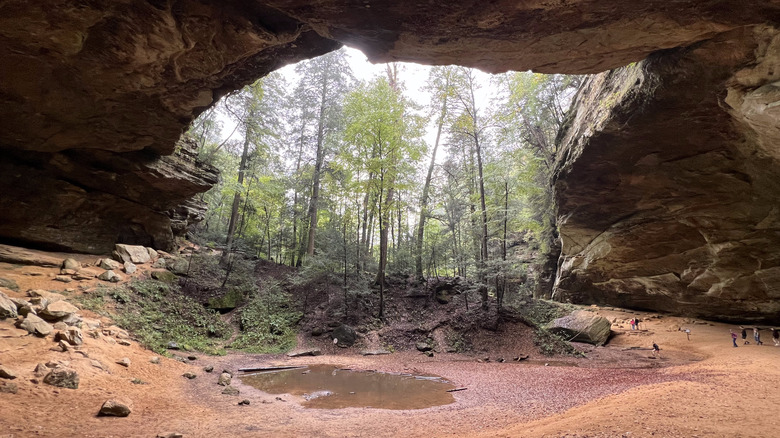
x,y
268,322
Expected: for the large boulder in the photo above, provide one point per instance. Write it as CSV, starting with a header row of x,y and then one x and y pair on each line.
x,y
7,307
582,326
132,253
344,335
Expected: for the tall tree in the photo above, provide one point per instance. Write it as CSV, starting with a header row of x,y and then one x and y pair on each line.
x,y
470,124
383,138
322,84
439,85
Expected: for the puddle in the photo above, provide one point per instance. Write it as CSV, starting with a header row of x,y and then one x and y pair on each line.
x,y
331,387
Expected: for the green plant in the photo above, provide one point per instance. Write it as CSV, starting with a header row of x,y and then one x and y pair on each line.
x,y
157,313
268,322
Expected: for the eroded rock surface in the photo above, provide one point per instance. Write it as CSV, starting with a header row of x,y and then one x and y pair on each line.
x,y
668,182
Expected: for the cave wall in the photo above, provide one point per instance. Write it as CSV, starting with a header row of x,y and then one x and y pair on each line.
x,y
668,181
665,188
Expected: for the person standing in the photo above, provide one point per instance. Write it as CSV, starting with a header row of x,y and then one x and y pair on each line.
x,y
757,336
733,338
632,322
656,350
744,335
776,337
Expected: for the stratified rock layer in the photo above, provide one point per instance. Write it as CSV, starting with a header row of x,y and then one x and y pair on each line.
x,y
668,181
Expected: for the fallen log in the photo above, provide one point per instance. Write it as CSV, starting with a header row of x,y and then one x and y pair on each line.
x,y
250,370
456,389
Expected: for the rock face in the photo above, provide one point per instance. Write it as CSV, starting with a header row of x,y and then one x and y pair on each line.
x,y
88,200
93,105
582,326
667,183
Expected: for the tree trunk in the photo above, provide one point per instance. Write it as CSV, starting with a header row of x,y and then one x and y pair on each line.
x,y
426,189
236,200
320,156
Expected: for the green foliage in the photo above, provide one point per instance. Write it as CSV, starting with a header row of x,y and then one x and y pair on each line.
x,y
268,322
157,313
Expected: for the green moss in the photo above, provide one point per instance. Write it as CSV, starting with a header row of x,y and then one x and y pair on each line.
x,y
268,323
157,313
232,299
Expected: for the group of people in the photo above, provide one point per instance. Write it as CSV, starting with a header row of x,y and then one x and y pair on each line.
x,y
634,323
756,336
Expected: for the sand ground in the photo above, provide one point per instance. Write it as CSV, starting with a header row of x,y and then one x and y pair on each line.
x,y
698,388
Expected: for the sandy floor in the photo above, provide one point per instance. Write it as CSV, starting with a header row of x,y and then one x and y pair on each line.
x,y
698,388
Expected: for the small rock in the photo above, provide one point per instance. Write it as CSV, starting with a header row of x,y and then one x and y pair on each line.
x,y
165,276
309,352
83,275
189,375
192,357
429,353
152,253
115,331
72,335
243,403
159,264
116,408
60,326
109,265
280,399
98,364
9,284
41,370
8,388
35,325
317,331
180,359
62,346
132,253
124,342
130,268
230,390
422,346
208,369
63,378
6,373
7,307
154,360
224,379
173,346
71,264
125,362
169,435
58,310
63,278
91,323
111,276
374,352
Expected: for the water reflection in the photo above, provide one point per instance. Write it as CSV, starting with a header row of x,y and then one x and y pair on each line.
x,y
330,387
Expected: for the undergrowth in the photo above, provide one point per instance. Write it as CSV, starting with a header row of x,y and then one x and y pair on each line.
x,y
157,313
268,322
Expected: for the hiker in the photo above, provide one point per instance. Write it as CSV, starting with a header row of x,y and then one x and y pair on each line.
x,y
744,335
636,323
776,337
733,338
757,336
688,333
656,350
632,322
